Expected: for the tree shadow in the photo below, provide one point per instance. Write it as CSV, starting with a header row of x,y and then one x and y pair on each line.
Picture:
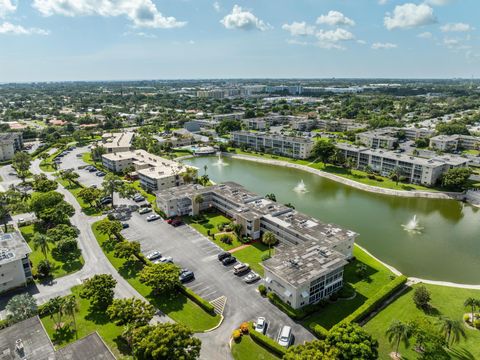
x,y
350,272
122,346
130,269
169,302
63,335
97,316
461,353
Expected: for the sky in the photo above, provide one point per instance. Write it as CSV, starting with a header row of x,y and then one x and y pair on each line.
x,y
66,40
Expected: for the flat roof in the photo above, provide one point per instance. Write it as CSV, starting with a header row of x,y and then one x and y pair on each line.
x,y
91,347
304,262
115,140
13,247
35,341
274,136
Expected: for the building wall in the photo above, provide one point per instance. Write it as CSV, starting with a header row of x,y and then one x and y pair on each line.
x,y
7,151
14,274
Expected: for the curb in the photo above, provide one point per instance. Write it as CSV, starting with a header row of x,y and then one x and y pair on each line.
x,y
216,326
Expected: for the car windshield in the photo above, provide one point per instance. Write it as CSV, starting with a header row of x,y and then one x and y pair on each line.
x,y
284,338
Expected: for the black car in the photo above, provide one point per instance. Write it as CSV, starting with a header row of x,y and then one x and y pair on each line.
x,y
229,260
223,255
106,200
125,226
186,276
92,169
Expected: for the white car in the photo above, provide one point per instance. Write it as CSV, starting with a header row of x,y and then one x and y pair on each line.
x,y
285,336
164,260
153,217
144,210
154,255
261,325
251,278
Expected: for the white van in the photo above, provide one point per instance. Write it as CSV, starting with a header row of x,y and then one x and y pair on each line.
x,y
285,336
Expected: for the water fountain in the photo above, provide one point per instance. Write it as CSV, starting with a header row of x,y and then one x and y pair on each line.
x,y
220,161
413,225
300,187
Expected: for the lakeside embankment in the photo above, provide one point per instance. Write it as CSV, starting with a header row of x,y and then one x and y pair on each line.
x,y
352,183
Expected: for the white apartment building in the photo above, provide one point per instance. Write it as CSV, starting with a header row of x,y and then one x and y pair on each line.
x,y
295,147
232,116
10,143
307,266
116,142
377,139
416,170
455,142
155,173
15,270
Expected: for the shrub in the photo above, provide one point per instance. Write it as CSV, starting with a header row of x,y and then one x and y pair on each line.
x,y
476,323
466,318
244,328
265,257
319,331
262,290
296,314
225,239
204,304
267,342
236,335
44,268
421,297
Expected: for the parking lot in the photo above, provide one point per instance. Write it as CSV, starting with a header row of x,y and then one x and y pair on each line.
x,y
191,250
71,160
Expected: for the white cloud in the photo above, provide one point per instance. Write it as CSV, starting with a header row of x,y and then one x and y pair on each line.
x,y
456,27
455,44
361,42
383,46
425,35
243,19
143,13
299,28
331,39
7,7
296,42
438,2
409,15
216,6
335,18
382,2
9,28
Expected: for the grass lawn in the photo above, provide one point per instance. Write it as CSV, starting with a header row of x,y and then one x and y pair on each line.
x,y
60,266
178,307
87,323
252,255
447,301
210,221
245,349
87,157
377,276
75,189
47,164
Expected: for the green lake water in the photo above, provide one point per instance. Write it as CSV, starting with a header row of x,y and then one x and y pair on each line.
x,y
448,247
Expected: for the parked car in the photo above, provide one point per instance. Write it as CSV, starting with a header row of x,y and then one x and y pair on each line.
x,y
144,210
251,278
100,173
186,276
241,269
229,260
223,255
125,226
154,255
261,325
285,336
92,169
164,260
176,223
106,200
138,198
153,217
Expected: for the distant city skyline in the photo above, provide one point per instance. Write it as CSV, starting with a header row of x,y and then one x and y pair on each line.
x,y
70,40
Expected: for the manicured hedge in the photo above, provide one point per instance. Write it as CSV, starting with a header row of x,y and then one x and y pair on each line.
x,y
204,304
4,323
375,301
266,342
296,314
319,331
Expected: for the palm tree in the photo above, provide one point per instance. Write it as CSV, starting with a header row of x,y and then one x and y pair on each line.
x,y
398,332
69,175
395,174
55,306
452,330
71,306
205,168
268,238
40,241
472,303
198,199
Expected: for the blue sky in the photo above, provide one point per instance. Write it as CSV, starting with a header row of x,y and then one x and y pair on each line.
x,y
167,39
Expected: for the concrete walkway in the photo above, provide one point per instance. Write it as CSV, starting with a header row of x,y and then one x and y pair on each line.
x,y
352,183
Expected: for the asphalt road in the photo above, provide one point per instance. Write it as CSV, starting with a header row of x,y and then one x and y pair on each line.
x,y
192,250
